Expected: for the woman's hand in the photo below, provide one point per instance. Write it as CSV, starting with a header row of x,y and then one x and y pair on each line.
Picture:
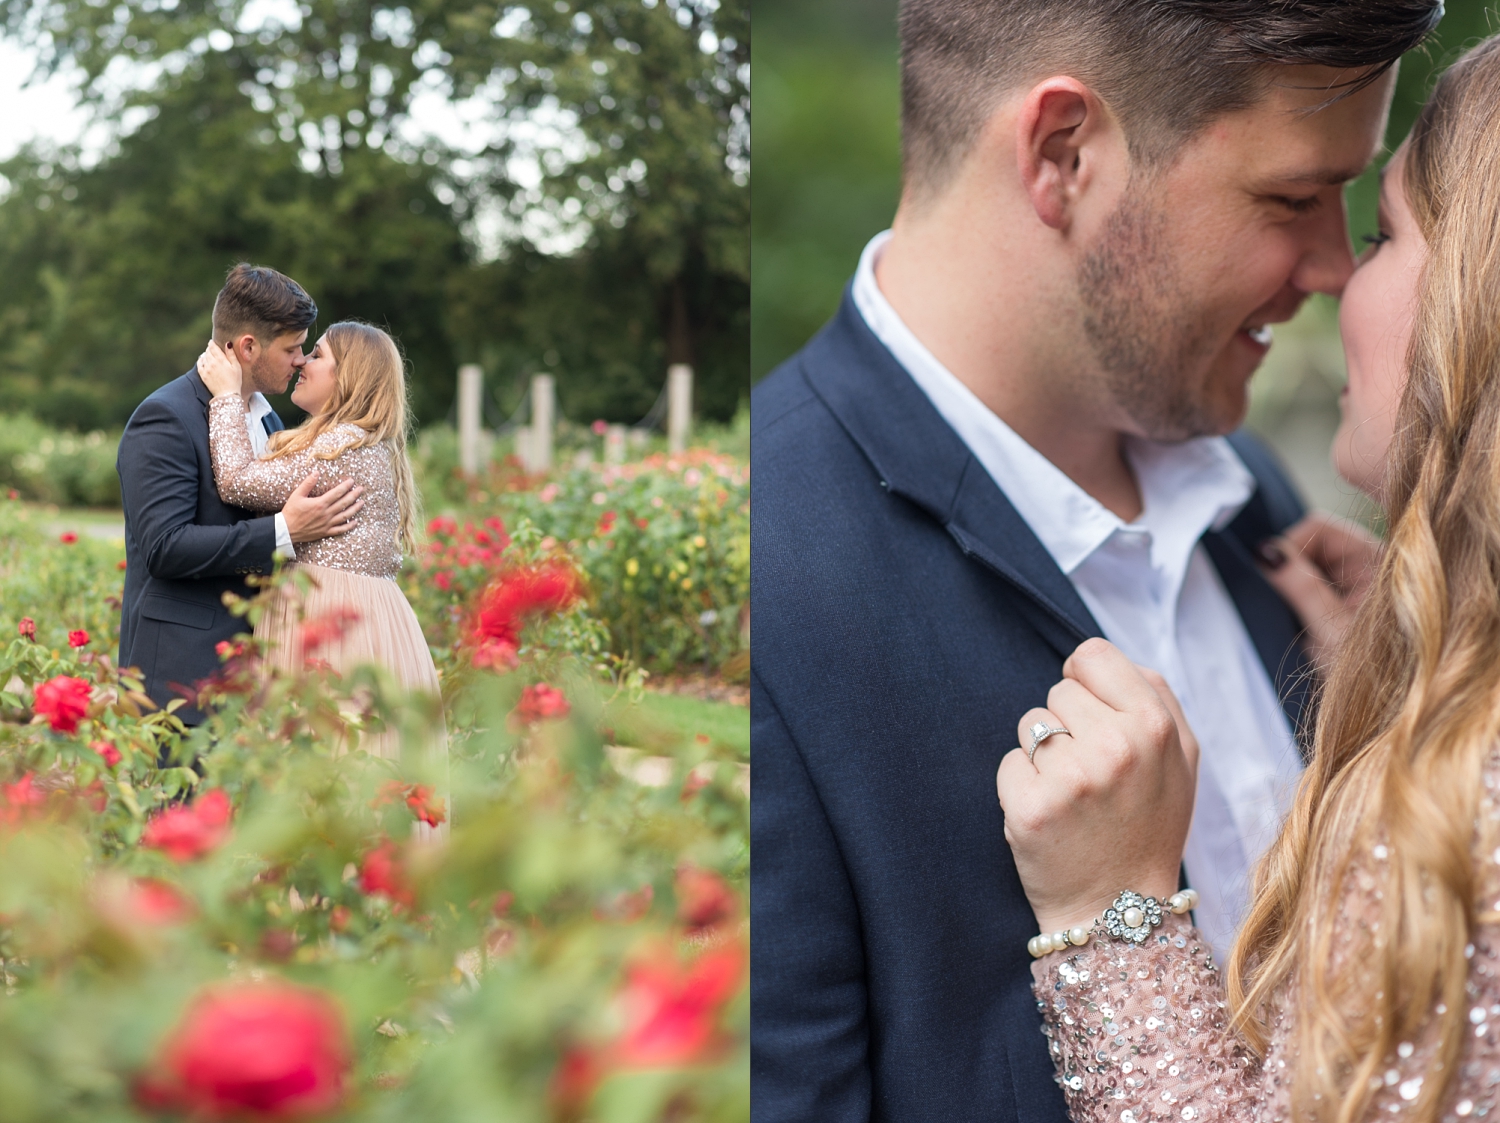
x,y
220,371
1107,808
1322,567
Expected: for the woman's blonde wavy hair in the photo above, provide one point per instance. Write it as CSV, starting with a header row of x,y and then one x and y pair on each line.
x,y
1412,707
370,392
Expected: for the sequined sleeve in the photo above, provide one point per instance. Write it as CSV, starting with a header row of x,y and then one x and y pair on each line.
x,y
242,480
1141,1034
340,452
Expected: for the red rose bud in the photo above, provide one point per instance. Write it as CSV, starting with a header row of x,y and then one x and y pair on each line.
x,y
110,754
67,538
253,1051
704,901
63,701
27,628
541,702
383,874
79,638
185,833
120,564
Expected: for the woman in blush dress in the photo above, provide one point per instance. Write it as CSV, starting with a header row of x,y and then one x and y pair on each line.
x,y
1365,983
353,388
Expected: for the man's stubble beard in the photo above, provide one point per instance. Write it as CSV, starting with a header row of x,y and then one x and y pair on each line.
x,y
1139,322
261,378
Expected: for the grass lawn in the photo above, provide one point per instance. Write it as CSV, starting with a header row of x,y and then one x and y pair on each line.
x,y
661,720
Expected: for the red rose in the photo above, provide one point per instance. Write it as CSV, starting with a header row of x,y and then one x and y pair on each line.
x,y
703,900
79,638
67,538
329,627
185,833
120,564
141,902
383,874
425,806
512,599
671,1013
27,628
253,1050
541,702
63,701
18,800
110,754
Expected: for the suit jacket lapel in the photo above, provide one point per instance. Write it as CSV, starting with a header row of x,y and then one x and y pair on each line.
x,y
920,458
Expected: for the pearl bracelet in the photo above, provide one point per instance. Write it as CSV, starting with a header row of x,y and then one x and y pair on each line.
x,y
1130,919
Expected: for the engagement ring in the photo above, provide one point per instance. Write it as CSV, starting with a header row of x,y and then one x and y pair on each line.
x,y
1039,733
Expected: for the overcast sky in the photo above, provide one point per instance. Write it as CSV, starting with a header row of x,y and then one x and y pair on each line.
x,y
43,110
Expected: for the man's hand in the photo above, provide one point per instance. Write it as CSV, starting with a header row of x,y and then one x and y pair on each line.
x,y
309,518
1322,567
1107,806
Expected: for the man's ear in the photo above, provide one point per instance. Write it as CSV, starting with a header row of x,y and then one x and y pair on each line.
x,y
245,347
1057,130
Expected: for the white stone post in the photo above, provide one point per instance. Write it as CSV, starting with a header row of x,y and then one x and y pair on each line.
x,y
543,411
470,381
614,444
679,405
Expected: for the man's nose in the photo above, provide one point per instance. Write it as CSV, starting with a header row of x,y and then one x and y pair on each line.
x,y
1327,260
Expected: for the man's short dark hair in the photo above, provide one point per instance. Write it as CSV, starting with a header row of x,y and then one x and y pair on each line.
x,y
1165,67
263,302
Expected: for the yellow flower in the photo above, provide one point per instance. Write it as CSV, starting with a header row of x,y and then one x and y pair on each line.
x,y
687,582
632,567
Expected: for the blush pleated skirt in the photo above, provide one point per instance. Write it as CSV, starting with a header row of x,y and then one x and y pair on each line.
x,y
346,620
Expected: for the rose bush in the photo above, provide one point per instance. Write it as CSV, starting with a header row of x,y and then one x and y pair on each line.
x,y
239,921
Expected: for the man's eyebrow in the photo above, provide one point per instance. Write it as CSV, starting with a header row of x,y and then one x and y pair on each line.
x,y
1323,177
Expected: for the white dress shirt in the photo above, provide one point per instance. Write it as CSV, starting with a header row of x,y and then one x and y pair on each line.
x,y
255,412
1156,595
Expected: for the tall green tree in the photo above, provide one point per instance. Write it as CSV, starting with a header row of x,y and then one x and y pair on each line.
x,y
289,140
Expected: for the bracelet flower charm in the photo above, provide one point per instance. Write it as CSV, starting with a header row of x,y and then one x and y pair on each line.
x,y
1132,917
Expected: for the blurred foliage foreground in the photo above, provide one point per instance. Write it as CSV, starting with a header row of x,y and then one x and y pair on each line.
x,y
241,921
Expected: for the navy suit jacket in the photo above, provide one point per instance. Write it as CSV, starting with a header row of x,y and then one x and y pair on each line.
x,y
184,547
905,618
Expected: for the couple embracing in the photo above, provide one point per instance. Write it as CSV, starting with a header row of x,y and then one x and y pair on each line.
x,y
1245,864
215,489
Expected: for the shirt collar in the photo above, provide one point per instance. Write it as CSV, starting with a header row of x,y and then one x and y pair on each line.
x,y
1186,488
257,407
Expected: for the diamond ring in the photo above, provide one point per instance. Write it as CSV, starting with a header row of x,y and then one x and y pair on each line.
x,y
1039,733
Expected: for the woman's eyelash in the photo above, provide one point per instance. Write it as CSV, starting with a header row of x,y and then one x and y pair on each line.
x,y
1375,239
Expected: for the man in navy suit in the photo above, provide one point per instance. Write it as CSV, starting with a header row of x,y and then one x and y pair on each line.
x,y
1009,439
184,547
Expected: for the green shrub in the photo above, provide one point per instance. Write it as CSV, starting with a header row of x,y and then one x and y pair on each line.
x,y
50,466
